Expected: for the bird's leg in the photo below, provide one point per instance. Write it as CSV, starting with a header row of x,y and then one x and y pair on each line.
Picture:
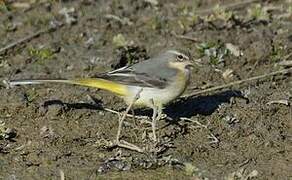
x,y
157,112
133,115
121,120
153,124
125,144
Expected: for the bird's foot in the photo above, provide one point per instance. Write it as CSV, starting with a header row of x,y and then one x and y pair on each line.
x,y
127,145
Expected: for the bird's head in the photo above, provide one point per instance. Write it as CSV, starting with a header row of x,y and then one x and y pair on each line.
x,y
179,59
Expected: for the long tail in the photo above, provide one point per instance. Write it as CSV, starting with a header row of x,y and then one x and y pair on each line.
x,y
114,87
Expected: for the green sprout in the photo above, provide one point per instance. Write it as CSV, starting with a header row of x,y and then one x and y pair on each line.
x,y
222,13
278,51
258,12
3,7
190,169
156,23
31,95
43,53
119,40
187,17
216,52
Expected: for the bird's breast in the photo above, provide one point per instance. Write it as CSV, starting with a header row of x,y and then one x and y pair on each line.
x,y
176,87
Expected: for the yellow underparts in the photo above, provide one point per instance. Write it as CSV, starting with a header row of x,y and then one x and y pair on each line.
x,y
114,87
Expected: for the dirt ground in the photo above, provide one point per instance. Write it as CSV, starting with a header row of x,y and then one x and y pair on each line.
x,y
53,131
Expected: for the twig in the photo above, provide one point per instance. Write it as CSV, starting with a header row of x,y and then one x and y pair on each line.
x,y
185,37
62,175
126,145
30,37
283,101
285,63
234,5
215,140
127,115
284,71
287,56
244,163
194,121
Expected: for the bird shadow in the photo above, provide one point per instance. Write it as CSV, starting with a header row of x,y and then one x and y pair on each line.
x,y
195,105
183,107
201,105
71,106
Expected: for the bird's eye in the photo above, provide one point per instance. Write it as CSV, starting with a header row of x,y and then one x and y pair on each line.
x,y
180,58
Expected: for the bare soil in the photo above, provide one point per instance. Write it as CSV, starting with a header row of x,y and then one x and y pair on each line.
x,y
53,130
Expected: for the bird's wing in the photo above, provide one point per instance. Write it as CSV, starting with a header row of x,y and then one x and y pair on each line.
x,y
129,76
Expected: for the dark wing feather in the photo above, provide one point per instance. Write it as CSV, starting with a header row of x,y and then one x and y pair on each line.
x,y
129,76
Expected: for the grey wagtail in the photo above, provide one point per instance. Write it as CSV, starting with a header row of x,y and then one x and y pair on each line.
x,y
158,81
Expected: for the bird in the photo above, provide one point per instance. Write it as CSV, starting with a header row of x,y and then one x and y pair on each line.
x,y
151,83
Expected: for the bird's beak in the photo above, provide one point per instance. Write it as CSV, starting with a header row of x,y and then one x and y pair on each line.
x,y
189,65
